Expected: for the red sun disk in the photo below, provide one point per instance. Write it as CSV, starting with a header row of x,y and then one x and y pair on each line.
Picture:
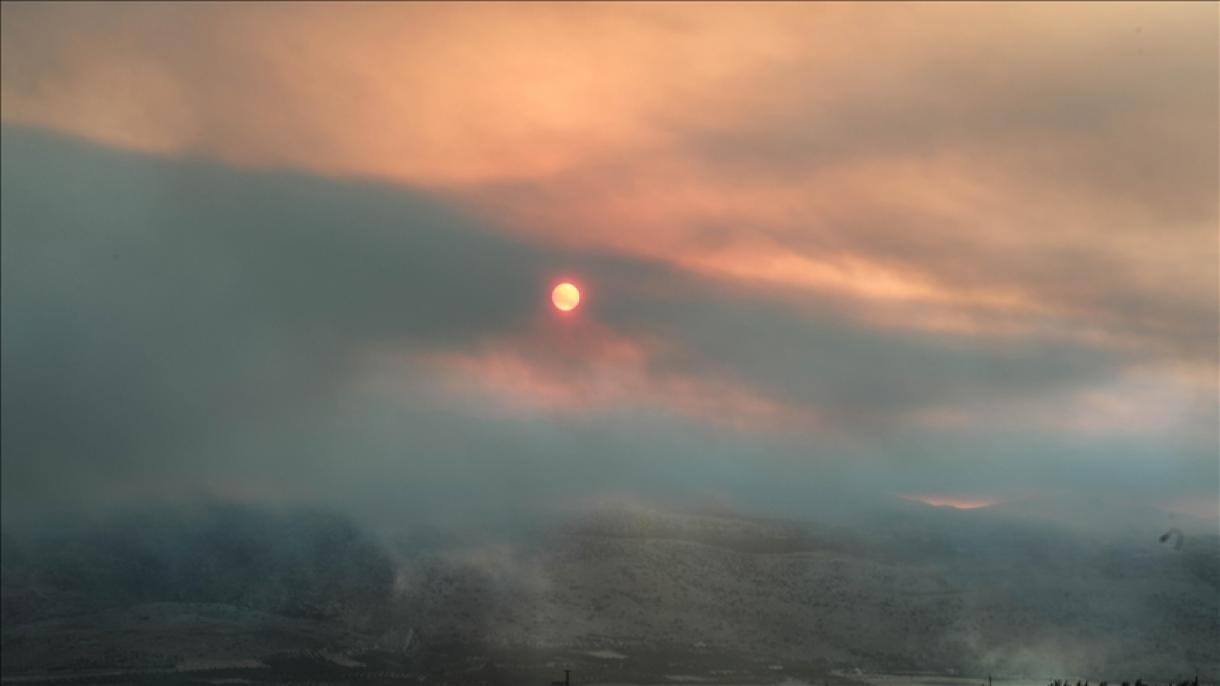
x,y
565,297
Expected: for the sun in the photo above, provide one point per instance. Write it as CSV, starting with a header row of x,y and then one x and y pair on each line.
x,y
566,297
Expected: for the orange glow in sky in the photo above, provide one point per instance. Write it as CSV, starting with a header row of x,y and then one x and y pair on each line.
x,y
951,232
963,502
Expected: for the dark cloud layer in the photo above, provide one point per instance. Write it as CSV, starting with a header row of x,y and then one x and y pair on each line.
x,y
180,327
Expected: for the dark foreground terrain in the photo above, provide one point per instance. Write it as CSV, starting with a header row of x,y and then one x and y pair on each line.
x,y
232,595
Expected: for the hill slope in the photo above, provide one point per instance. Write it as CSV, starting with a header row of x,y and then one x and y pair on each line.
x,y
622,595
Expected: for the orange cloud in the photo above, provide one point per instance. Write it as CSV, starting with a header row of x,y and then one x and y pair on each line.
x,y
1052,168
428,94
557,371
957,502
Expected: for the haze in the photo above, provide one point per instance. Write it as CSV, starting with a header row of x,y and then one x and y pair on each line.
x,y
833,257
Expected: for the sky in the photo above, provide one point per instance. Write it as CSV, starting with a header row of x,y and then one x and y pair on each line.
x,y
958,253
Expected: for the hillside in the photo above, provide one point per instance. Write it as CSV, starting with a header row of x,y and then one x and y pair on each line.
x,y
618,595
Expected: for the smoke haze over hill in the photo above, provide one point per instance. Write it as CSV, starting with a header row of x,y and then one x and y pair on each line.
x,y
896,346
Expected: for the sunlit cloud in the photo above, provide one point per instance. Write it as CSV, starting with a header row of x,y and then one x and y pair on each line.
x,y
799,219
957,502
995,177
575,375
